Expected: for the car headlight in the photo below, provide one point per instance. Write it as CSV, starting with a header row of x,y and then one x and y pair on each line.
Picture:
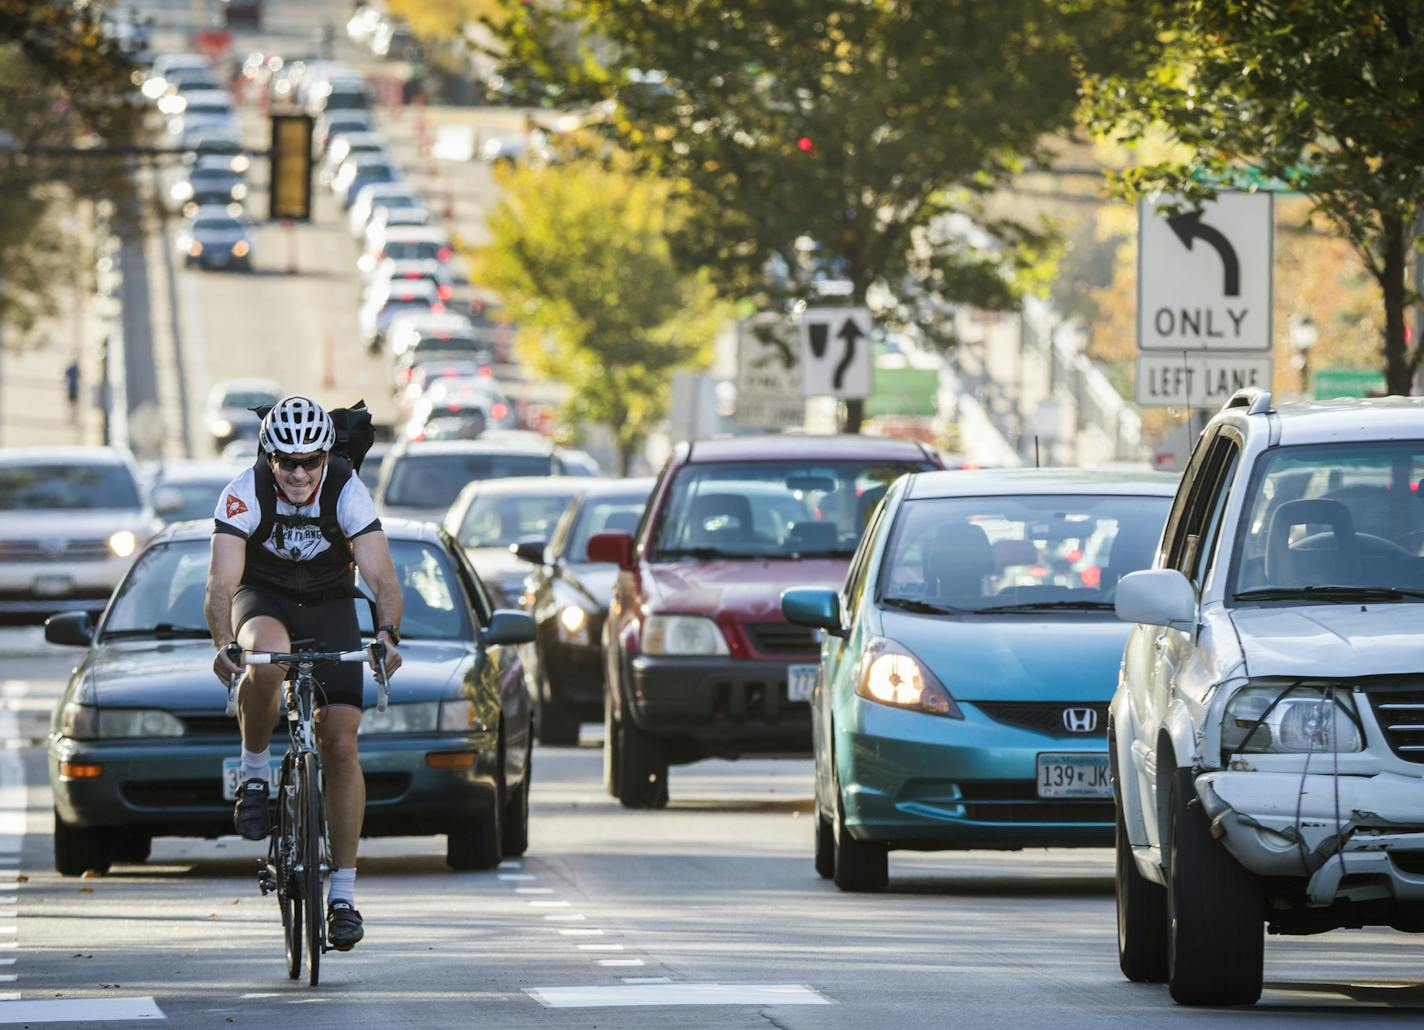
x,y
79,722
182,191
573,625
890,675
682,635
123,543
240,163
460,716
240,248
239,191
413,717
1268,720
195,249
138,722
221,427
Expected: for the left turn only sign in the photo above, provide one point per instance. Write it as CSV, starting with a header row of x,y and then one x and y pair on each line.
x,y
836,353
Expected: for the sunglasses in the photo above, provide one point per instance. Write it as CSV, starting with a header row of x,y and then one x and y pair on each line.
x,y
292,464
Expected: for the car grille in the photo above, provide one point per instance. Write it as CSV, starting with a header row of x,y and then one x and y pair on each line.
x,y
208,792
1401,715
1046,716
1017,801
33,551
781,638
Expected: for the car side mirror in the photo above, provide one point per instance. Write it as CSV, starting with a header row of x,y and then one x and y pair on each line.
x,y
531,550
612,548
167,500
815,607
507,626
71,628
1157,597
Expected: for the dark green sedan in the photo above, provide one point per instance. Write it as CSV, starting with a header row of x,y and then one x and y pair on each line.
x,y
140,747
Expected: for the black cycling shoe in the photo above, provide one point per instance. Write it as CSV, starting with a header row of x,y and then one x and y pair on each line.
x,y
250,817
343,925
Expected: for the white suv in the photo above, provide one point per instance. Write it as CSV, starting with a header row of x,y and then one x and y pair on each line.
x,y
1267,735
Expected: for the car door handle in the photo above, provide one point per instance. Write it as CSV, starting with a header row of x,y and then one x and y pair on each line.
x,y
1160,644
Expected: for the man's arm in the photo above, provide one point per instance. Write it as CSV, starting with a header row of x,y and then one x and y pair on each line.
x,y
225,568
373,558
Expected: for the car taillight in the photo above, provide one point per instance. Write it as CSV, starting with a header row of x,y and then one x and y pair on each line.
x,y
499,411
486,372
446,292
452,407
444,253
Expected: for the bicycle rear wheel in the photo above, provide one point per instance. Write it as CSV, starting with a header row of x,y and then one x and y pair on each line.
x,y
311,838
282,851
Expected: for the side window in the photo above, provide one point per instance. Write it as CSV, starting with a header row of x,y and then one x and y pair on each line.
x,y
559,540
1173,538
1216,511
479,600
859,572
1208,494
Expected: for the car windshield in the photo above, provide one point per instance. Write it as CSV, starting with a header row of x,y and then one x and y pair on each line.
x,y
1345,516
66,487
411,250
501,519
435,480
247,399
1017,553
605,515
220,225
771,509
162,596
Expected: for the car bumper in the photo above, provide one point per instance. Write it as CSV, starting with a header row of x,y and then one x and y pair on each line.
x,y
728,707
175,788
1285,824
59,585
919,781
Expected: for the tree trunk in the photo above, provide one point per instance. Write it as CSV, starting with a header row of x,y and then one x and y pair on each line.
x,y
1397,375
626,449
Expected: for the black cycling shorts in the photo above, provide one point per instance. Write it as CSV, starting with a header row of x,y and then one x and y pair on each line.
x,y
332,624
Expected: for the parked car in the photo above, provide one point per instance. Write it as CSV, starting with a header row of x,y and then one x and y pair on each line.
x,y
420,480
139,745
228,412
698,658
1267,733
568,596
189,489
71,519
967,662
491,517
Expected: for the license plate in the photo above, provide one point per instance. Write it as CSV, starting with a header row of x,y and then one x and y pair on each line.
x,y
232,777
800,681
51,586
1073,776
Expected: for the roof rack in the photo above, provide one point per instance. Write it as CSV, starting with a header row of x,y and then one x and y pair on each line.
x,y
1255,400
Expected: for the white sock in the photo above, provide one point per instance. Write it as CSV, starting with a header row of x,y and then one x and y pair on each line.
x,y
341,886
254,764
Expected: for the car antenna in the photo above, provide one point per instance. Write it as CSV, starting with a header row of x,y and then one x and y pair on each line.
x,y
1036,463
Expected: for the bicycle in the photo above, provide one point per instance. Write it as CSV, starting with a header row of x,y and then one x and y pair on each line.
x,y
298,854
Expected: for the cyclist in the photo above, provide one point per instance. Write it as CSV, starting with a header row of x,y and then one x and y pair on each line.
x,y
287,531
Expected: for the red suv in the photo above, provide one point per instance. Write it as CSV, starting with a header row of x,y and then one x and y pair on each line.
x,y
699,661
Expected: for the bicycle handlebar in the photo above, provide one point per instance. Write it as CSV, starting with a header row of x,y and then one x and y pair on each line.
x,y
375,648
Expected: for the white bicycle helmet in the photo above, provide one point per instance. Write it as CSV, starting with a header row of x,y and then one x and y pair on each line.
x,y
296,425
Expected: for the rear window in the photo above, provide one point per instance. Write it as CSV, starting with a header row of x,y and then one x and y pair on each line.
x,y
435,480
54,487
605,515
498,520
412,251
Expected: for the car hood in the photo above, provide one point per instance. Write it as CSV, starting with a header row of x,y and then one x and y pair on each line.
x,y
1331,640
178,675
497,564
594,580
1015,657
89,524
747,591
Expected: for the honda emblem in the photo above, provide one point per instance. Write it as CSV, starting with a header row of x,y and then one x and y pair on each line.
x,y
1080,720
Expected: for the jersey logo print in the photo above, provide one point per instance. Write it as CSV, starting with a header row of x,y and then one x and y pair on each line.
x,y
235,506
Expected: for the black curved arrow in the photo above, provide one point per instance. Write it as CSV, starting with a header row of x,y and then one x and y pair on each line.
x,y
850,332
1189,227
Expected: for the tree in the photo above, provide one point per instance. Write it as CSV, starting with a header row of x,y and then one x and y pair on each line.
x,y
65,87
1324,97
837,137
579,255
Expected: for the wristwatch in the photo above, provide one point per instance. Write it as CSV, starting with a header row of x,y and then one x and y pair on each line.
x,y
392,630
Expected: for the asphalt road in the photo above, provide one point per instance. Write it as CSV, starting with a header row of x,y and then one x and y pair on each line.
x,y
612,918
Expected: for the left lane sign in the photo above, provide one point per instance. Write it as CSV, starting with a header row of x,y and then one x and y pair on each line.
x,y
836,353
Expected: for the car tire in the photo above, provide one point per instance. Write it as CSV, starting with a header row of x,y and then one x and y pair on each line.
x,y
478,843
555,729
610,753
859,866
78,849
642,767
516,814
1141,916
825,846
133,847
1215,909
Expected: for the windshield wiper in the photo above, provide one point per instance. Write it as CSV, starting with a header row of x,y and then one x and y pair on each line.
x,y
703,554
829,552
162,631
1048,606
914,604
1332,594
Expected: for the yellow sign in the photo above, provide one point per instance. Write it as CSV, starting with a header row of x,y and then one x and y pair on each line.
x,y
291,195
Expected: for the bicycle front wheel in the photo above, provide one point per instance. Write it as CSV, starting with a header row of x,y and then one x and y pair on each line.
x,y
284,855
311,838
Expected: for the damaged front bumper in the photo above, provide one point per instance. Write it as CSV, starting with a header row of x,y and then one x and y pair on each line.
x,y
1323,828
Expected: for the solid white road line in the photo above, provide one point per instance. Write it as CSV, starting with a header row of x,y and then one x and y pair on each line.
x,y
581,933
639,995
620,962
533,890
600,947
79,1010
515,877
549,904
566,918
510,863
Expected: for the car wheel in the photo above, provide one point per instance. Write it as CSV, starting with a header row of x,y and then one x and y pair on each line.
x,y
642,766
475,842
77,849
132,847
858,865
1141,916
555,729
825,846
610,753
1215,911
516,814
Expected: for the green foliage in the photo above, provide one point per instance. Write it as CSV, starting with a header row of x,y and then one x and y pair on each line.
x,y
64,85
580,257
864,126
1323,96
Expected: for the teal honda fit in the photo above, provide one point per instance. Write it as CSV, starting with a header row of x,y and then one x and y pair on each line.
x,y
967,665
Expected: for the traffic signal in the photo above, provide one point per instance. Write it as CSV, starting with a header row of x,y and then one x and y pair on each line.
x,y
805,144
